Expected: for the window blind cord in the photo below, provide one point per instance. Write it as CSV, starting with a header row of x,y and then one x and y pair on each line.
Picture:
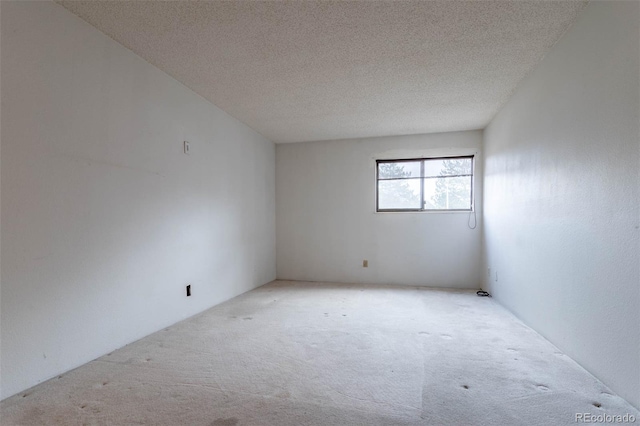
x,y
475,220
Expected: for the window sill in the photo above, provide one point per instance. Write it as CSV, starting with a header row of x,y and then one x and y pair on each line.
x,y
426,211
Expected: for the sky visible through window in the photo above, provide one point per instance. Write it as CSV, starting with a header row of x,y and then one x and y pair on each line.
x,y
426,184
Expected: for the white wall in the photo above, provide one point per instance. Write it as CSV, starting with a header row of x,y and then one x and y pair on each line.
x,y
562,183
104,219
327,225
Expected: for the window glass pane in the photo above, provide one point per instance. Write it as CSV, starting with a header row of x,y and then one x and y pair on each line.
x,y
447,167
401,169
399,194
447,193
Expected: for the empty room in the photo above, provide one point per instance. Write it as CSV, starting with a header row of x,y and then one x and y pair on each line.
x,y
231,213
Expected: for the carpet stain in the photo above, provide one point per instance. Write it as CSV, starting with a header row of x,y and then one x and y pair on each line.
x,y
231,421
247,318
542,387
283,394
446,336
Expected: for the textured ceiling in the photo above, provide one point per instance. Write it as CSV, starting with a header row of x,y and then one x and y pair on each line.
x,y
314,70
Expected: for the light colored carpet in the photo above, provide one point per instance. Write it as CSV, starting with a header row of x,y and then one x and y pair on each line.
x,y
294,353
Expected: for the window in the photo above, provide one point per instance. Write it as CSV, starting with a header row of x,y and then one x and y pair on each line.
x,y
425,184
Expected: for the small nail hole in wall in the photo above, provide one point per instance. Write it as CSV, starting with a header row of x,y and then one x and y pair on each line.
x,y
189,290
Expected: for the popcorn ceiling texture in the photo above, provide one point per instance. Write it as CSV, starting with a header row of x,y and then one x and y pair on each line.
x,y
302,71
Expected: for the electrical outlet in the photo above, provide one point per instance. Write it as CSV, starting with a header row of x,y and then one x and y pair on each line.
x,y
496,276
189,290
187,148
365,263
